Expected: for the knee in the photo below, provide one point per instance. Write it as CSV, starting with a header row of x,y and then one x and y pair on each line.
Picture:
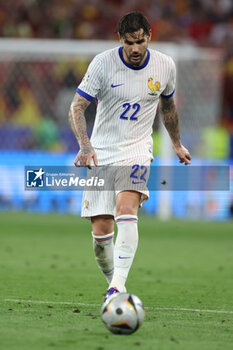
x,y
102,226
126,209
100,231
127,203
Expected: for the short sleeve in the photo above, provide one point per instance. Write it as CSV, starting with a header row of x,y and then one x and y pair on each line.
x,y
91,83
170,88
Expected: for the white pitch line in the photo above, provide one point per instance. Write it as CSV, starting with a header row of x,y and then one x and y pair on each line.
x,y
48,302
190,310
94,305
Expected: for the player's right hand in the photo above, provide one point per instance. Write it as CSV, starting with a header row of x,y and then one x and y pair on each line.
x,y
84,157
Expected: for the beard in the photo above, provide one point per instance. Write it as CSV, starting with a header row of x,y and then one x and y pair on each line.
x,y
136,59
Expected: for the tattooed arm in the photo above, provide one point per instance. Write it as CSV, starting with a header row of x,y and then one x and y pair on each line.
x,y
78,124
171,122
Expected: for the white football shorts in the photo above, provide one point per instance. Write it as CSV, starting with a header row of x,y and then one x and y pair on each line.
x,y
130,174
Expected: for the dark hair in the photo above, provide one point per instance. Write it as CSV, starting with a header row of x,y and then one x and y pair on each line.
x,y
132,22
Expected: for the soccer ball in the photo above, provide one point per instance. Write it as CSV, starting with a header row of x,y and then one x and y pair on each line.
x,y
123,313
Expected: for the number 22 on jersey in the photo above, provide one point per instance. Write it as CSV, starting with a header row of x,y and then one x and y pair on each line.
x,y
130,112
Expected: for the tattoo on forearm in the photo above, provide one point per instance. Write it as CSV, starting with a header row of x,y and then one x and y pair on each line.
x,y
78,122
170,119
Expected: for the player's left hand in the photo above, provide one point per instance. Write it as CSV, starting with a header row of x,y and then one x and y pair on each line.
x,y
183,154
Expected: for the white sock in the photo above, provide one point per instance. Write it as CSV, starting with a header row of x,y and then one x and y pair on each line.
x,y
125,249
103,250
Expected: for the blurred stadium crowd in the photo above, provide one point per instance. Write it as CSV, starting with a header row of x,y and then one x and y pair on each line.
x,y
23,93
202,21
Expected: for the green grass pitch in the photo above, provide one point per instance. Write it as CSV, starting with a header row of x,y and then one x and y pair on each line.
x,y
51,289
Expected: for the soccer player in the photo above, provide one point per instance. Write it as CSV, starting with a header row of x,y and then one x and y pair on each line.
x,y
128,81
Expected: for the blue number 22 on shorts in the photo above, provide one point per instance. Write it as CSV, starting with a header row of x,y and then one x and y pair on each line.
x,y
136,176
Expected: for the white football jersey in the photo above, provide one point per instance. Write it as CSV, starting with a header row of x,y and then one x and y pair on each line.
x,y
127,98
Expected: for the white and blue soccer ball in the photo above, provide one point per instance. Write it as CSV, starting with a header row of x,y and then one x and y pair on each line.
x,y
123,313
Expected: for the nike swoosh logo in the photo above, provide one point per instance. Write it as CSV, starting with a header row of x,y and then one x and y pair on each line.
x,y
124,257
113,86
137,182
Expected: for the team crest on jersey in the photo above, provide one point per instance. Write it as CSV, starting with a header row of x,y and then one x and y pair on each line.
x,y
154,87
86,203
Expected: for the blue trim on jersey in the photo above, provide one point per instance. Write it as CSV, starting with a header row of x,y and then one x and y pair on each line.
x,y
130,65
168,96
84,94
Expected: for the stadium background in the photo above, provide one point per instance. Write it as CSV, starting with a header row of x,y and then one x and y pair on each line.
x,y
37,86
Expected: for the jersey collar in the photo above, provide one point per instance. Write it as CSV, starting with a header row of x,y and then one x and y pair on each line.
x,y
130,65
